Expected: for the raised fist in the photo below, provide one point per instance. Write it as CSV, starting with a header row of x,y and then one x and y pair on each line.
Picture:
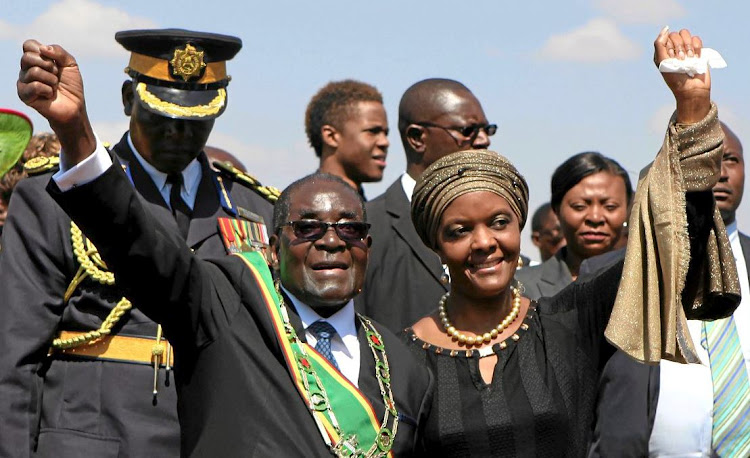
x,y
50,83
693,94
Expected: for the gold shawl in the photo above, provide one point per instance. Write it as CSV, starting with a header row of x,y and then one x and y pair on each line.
x,y
649,320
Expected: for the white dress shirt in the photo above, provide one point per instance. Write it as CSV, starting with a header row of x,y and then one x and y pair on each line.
x,y
191,178
344,345
684,412
87,170
408,183
96,164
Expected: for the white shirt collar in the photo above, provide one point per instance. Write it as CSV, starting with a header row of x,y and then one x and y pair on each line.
x,y
342,321
191,177
408,183
732,231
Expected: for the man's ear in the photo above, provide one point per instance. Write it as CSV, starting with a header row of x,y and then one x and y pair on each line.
x,y
273,251
535,238
330,136
415,136
127,97
368,240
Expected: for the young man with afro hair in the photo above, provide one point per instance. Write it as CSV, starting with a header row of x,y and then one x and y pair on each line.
x,y
347,126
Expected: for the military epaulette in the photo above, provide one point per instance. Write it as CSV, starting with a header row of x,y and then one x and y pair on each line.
x,y
41,164
269,193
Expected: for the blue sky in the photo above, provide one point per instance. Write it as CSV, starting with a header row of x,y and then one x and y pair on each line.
x,y
557,77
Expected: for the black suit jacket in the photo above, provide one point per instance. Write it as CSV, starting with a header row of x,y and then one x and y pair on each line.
x,y
405,279
546,279
71,406
628,390
235,395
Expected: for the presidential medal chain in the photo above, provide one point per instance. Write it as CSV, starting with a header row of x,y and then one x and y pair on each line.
x,y
318,400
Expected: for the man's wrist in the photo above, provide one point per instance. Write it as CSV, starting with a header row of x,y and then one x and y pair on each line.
x,y
77,141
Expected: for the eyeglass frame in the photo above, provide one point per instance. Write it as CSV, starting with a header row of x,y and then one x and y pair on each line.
x,y
475,130
328,225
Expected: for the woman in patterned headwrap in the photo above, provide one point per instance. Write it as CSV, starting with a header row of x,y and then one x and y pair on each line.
x,y
518,378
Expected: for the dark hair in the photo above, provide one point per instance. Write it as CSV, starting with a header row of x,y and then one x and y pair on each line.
x,y
281,208
332,105
578,167
540,216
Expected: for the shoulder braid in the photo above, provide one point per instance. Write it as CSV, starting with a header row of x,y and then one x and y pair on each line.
x,y
269,193
41,164
91,266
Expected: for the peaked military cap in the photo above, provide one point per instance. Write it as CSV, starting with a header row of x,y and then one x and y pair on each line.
x,y
179,73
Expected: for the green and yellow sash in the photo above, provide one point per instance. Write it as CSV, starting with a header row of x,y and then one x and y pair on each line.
x,y
345,418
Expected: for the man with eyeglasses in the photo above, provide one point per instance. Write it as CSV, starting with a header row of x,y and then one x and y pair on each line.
x,y
436,117
260,369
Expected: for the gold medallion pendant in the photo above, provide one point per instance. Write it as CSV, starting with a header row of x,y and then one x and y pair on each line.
x,y
187,63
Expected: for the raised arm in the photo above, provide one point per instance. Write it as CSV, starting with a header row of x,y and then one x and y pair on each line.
x,y
677,263
152,264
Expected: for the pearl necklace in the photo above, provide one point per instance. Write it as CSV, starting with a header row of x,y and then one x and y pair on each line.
x,y
487,336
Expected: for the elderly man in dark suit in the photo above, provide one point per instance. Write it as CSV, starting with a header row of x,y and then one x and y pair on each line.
x,y
80,371
260,371
675,409
405,279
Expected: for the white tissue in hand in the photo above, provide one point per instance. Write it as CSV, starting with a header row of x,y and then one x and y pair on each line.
x,y
693,65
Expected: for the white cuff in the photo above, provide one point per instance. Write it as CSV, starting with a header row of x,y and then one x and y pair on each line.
x,y
85,171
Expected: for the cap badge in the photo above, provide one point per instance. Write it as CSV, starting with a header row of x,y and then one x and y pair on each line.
x,y
187,63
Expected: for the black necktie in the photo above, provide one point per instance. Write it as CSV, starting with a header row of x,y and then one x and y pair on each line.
x,y
180,209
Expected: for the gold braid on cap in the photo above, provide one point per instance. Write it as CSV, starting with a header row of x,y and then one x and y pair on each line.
x,y
461,173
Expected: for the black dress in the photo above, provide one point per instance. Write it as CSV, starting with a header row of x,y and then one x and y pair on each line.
x,y
541,399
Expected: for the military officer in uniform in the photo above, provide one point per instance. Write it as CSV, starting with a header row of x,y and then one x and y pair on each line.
x,y
80,370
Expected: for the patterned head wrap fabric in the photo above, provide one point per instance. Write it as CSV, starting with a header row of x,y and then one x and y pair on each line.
x,y
461,173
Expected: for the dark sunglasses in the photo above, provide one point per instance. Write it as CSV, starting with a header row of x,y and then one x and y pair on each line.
x,y
312,230
467,131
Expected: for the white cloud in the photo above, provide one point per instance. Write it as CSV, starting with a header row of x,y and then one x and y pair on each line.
x,y
83,27
598,41
657,12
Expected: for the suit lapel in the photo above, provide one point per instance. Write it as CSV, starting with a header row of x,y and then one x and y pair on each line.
x,y
397,205
206,208
145,185
553,274
142,181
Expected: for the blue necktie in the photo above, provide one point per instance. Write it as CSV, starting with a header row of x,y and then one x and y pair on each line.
x,y
324,332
